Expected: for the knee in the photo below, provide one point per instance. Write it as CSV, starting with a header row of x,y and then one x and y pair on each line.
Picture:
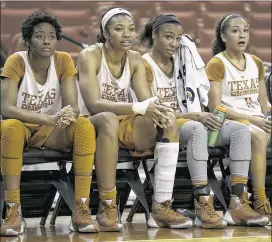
x,y
198,130
108,124
172,130
12,128
259,138
12,138
82,134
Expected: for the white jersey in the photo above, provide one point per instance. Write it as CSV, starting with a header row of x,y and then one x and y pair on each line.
x,y
240,88
111,88
163,85
39,98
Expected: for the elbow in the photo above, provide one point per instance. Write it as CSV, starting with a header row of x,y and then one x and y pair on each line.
x,y
6,112
94,108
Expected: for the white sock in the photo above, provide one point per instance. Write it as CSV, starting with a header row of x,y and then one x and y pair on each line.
x,y
166,157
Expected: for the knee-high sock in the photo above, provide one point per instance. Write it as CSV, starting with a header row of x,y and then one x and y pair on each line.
x,y
166,156
82,134
12,143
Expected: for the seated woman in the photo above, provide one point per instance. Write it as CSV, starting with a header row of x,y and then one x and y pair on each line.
x,y
107,70
39,108
164,36
237,82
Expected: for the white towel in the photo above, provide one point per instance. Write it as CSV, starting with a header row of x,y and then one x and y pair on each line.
x,y
192,85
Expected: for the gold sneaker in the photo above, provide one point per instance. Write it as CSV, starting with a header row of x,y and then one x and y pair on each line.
x,y
206,216
81,218
163,216
107,216
240,212
13,224
263,207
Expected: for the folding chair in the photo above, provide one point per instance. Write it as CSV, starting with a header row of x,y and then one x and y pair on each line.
x,y
182,178
38,203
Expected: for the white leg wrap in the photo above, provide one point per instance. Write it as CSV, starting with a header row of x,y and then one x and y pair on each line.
x,y
166,156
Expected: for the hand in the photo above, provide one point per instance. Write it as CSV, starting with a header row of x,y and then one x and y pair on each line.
x,y
262,123
159,114
64,117
209,120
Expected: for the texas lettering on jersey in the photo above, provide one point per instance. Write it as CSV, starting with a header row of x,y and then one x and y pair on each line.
x,y
114,94
37,102
244,87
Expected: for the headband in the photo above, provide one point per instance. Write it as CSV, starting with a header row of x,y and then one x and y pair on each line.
x,y
165,18
111,13
225,19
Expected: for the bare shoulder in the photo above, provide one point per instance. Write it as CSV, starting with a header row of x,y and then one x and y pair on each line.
x,y
135,59
92,54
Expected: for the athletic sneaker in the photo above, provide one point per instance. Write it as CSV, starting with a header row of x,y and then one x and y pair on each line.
x,y
206,216
263,207
163,216
240,212
107,216
13,224
81,218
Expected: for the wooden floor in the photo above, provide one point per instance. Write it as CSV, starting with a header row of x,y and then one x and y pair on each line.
x,y
138,231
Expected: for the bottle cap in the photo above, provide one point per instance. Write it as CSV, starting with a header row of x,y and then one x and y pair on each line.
x,y
222,109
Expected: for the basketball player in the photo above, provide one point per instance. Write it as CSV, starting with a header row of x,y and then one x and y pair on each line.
x,y
107,70
164,35
39,108
237,82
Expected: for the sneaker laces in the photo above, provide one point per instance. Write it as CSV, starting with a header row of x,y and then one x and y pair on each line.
x,y
246,204
110,210
12,214
166,207
209,209
83,211
266,205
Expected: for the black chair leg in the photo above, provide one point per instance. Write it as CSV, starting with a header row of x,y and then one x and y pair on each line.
x,y
66,192
137,187
2,201
49,203
56,210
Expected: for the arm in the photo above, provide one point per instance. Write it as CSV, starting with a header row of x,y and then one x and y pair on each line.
x,y
88,65
9,92
139,83
215,97
69,94
262,98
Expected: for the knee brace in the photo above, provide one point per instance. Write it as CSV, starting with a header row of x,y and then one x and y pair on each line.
x,y
12,138
240,145
12,144
82,134
199,143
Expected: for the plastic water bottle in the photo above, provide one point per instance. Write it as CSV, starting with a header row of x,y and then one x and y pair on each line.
x,y
220,114
269,117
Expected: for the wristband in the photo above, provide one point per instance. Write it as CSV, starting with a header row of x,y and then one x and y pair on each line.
x,y
141,107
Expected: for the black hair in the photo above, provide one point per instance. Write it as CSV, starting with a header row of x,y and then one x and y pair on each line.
x,y
100,37
36,18
146,35
218,44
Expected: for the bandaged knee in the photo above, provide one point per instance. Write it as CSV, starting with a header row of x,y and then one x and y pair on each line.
x,y
82,134
12,144
240,152
165,156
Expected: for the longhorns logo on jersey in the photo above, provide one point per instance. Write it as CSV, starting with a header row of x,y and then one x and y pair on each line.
x,y
190,94
248,101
